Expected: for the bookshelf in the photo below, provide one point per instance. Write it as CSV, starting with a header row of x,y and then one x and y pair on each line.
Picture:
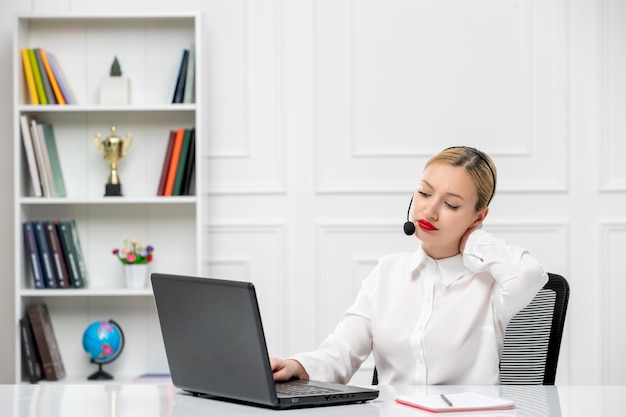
x,y
148,46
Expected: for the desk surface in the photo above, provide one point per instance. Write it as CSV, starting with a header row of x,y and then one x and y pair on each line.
x,y
163,400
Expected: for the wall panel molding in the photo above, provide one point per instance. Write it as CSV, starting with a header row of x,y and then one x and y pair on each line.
x,y
246,154
366,141
612,64
611,281
258,253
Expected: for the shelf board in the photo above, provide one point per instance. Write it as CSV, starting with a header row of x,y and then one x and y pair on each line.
x,y
55,108
86,292
156,200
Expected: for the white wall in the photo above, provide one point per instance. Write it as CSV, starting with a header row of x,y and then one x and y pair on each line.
x,y
321,114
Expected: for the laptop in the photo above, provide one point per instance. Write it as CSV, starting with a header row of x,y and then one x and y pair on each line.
x,y
215,346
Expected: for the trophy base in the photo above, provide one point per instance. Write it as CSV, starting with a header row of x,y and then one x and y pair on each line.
x,y
113,190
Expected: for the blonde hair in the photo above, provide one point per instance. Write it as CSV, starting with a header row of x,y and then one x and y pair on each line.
x,y
478,164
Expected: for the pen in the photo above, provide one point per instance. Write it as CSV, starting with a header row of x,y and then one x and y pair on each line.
x,y
446,399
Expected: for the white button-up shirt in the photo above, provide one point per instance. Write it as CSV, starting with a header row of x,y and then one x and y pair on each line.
x,y
432,321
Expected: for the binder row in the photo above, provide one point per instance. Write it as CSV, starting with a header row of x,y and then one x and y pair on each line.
x,y
54,254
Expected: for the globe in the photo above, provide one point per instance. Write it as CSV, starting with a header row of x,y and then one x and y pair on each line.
x,y
103,341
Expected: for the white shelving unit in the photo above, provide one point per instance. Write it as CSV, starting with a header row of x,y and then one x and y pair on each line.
x,y
148,47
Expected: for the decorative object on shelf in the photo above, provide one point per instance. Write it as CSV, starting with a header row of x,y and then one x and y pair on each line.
x,y
115,89
136,276
135,258
103,341
113,149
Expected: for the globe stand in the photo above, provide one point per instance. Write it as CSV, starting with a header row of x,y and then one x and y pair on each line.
x,y
100,374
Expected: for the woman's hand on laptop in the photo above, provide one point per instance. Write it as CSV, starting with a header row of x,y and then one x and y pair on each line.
x,y
286,369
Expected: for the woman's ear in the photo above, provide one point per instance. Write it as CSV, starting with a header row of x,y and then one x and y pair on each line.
x,y
480,216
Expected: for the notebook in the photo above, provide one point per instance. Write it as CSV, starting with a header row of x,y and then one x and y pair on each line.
x,y
465,401
215,346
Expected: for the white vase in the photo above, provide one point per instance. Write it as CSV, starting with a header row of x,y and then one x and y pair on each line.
x,y
136,276
115,90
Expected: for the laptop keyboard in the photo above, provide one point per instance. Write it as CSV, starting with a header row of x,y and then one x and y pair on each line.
x,y
298,389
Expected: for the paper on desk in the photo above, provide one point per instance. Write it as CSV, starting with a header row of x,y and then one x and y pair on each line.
x,y
465,401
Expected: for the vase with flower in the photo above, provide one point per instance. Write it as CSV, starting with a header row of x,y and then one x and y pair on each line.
x,y
135,258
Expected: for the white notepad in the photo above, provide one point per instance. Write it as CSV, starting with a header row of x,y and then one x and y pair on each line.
x,y
465,401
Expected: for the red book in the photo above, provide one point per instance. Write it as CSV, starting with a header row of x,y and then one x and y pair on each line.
x,y
166,163
171,175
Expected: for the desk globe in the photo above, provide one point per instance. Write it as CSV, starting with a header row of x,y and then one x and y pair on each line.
x,y
103,341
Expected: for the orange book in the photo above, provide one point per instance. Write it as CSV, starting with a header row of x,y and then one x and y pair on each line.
x,y
30,79
53,80
171,175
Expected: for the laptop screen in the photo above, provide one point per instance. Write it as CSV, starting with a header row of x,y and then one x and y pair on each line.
x,y
214,337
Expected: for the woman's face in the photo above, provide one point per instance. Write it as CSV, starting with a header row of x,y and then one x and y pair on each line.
x,y
443,209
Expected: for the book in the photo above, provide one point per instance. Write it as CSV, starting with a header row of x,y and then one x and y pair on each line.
x,y
64,229
58,258
182,163
190,77
46,158
190,167
44,78
30,156
58,95
30,356
171,174
465,401
55,162
82,265
46,342
32,252
29,77
37,76
40,158
179,90
64,86
166,162
47,265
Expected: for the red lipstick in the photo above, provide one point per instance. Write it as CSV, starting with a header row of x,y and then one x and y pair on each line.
x,y
426,225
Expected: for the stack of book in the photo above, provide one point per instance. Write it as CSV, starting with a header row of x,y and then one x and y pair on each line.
x,y
42,157
41,356
177,173
184,83
54,254
45,81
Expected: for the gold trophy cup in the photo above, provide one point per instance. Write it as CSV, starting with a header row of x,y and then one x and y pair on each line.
x,y
113,149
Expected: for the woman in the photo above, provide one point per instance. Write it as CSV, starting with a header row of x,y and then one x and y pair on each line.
x,y
438,315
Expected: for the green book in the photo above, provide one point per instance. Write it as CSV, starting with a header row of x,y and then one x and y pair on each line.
x,y
82,265
182,162
55,162
41,93
64,229
189,93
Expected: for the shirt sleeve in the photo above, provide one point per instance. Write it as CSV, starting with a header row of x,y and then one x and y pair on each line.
x,y
518,275
342,353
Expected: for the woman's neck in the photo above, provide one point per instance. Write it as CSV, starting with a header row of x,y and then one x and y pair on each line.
x,y
440,252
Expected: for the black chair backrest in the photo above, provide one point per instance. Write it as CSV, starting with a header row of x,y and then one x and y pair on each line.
x,y
533,337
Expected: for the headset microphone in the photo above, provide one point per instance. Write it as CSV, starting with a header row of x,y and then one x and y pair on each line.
x,y
409,227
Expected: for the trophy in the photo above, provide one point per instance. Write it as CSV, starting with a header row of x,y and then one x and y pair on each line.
x,y
113,149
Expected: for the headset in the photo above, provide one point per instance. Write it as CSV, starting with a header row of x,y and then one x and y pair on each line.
x,y
409,226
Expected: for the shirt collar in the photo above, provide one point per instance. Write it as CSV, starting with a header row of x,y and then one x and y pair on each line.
x,y
451,268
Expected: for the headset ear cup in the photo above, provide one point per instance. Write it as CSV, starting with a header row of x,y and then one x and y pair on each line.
x,y
409,228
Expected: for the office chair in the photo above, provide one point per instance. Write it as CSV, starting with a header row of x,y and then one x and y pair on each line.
x,y
533,337
532,341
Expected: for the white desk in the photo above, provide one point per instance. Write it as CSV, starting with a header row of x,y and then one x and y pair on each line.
x,y
163,400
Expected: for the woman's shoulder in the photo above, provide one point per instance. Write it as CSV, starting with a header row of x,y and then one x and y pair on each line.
x,y
401,261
